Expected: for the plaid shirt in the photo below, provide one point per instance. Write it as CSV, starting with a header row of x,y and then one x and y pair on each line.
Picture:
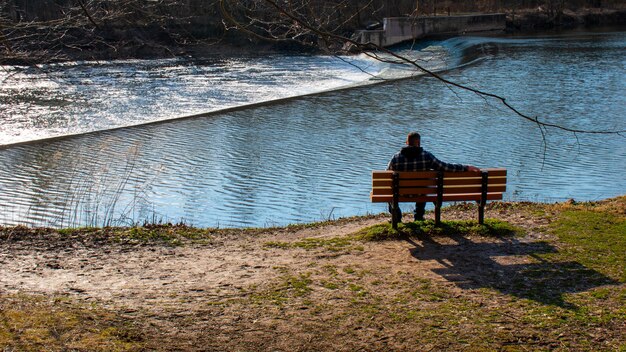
x,y
412,158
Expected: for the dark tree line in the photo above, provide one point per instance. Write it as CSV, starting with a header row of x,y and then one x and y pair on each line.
x,y
43,31
34,31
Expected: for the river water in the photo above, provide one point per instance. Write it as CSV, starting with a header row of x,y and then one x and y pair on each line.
x,y
130,155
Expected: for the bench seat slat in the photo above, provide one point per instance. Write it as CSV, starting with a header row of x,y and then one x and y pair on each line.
x,y
404,191
408,191
433,198
417,190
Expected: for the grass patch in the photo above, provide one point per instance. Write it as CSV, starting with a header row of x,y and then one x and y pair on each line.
x,y
289,286
81,230
334,244
329,285
166,234
34,323
298,285
491,227
323,223
596,239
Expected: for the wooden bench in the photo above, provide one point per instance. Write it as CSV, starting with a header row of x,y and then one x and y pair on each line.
x,y
438,187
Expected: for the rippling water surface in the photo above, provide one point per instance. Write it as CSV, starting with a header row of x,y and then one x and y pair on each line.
x,y
307,158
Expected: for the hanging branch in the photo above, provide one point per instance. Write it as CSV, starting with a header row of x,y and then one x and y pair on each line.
x,y
328,37
87,13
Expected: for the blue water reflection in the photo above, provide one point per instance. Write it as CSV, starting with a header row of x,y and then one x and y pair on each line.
x,y
310,159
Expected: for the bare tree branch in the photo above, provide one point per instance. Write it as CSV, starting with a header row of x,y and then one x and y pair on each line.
x,y
286,21
82,5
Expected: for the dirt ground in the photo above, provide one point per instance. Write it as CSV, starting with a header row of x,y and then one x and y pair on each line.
x,y
269,291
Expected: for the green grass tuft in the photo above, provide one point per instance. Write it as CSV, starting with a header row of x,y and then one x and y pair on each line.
x,y
333,244
491,228
173,235
37,323
595,239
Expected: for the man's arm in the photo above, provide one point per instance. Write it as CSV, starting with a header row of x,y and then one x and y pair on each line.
x,y
393,163
439,165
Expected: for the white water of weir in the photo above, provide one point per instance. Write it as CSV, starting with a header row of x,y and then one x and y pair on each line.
x,y
309,158
78,97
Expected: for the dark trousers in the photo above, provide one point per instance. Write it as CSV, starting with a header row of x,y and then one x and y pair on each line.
x,y
418,213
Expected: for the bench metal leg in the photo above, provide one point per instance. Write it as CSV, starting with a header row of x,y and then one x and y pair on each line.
x,y
483,198
439,201
396,215
481,213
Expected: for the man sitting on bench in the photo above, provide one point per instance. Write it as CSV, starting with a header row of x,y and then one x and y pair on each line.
x,y
413,157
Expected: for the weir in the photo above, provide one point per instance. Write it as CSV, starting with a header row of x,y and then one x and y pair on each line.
x,y
400,29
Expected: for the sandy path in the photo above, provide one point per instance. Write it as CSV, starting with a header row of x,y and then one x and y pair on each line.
x,y
145,277
141,276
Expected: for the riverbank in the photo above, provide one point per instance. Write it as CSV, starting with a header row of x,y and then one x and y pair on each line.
x,y
154,42
529,21
537,277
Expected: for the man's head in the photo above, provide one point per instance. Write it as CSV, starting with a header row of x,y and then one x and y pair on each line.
x,y
413,139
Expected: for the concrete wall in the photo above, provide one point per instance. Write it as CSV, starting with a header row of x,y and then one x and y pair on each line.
x,y
399,29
